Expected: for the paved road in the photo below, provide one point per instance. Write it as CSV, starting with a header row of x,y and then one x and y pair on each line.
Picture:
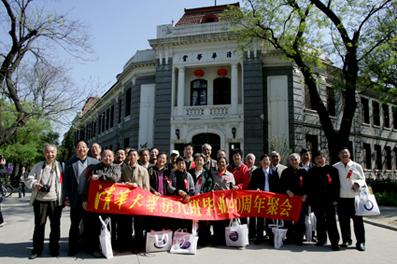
x,y
15,246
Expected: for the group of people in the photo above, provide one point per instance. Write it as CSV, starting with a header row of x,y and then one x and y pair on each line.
x,y
326,189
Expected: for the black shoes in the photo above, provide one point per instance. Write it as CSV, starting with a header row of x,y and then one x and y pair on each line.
x,y
335,247
360,246
346,244
34,255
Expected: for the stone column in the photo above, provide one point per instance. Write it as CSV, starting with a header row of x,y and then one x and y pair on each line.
x,y
234,89
181,89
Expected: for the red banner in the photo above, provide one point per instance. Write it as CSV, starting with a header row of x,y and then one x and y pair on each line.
x,y
217,205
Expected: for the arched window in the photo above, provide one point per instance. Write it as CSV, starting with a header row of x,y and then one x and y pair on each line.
x,y
198,92
221,91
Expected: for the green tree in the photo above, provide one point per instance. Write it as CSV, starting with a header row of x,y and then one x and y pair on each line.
x,y
313,34
26,147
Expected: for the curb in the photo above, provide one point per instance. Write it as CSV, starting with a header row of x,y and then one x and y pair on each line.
x,y
380,224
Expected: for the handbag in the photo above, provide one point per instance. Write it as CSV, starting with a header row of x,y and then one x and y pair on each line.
x,y
236,234
105,238
184,242
279,233
157,241
365,203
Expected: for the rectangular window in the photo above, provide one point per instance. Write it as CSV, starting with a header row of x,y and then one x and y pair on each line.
x,y
331,101
388,157
386,116
107,118
120,105
111,116
365,109
395,117
378,158
395,157
376,113
367,155
350,146
128,102
308,102
94,128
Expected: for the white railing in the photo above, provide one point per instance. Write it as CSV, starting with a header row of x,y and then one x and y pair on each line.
x,y
206,111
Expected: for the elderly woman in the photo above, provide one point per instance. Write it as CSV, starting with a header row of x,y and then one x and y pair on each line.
x,y
292,183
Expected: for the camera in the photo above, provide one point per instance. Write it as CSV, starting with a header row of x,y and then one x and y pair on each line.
x,y
45,188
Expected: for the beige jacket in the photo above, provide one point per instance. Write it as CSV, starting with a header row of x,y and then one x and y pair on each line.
x,y
139,175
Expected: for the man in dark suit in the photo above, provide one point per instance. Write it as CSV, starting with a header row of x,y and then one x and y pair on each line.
x,y
73,187
264,179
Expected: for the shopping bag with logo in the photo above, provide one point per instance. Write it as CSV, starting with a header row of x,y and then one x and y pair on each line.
x,y
236,234
365,203
279,233
184,242
105,238
157,241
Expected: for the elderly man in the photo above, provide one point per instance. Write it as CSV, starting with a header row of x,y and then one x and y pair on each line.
x,y
73,187
351,177
210,164
134,175
96,151
45,180
276,166
105,171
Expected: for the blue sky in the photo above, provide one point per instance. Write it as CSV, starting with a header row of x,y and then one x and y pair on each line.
x,y
117,29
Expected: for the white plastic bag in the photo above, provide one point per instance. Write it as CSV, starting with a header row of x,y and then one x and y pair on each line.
x,y
157,241
279,233
365,203
105,238
184,242
236,234
310,224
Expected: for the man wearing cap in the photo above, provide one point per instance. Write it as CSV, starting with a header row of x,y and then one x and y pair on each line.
x,y
172,163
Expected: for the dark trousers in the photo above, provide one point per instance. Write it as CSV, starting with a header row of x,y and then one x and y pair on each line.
x,y
346,210
262,224
219,231
204,232
1,215
326,223
124,231
90,223
53,211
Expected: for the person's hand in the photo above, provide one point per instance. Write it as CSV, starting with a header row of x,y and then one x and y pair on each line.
x,y
235,187
355,187
304,198
2,161
85,205
94,177
182,193
186,198
157,193
334,203
132,184
37,185
290,194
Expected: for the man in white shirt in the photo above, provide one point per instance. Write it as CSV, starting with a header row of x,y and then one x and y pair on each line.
x,y
351,176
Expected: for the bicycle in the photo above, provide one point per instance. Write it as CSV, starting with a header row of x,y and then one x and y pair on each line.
x,y
6,190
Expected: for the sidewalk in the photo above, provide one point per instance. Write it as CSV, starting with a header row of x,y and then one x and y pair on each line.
x,y
386,219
